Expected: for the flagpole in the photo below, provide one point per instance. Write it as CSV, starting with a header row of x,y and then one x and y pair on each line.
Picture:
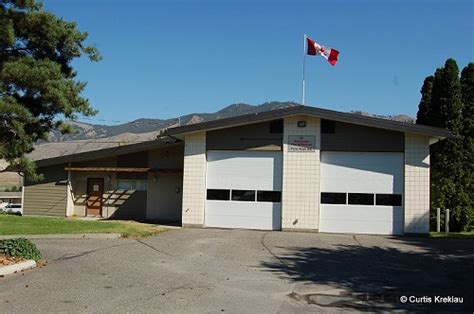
x,y
304,65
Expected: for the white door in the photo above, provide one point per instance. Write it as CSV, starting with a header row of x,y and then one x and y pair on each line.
x,y
361,192
244,189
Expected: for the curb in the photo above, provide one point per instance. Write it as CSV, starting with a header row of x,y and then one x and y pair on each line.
x,y
16,268
64,236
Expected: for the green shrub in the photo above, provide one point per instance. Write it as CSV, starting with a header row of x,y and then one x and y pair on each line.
x,y
20,247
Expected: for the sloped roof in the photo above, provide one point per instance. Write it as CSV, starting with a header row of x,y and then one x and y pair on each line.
x,y
248,119
106,152
315,112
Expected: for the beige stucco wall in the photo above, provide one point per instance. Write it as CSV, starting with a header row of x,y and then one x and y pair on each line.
x,y
164,197
79,186
417,184
164,200
194,180
300,197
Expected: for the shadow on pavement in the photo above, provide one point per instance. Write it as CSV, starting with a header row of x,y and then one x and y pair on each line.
x,y
426,267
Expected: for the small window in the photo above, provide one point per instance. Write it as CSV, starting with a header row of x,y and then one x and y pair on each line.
x,y
138,185
333,198
388,199
328,127
218,195
276,126
243,195
269,196
361,199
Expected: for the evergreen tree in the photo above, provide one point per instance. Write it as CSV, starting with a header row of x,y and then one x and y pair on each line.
x,y
444,110
37,81
467,92
422,117
446,103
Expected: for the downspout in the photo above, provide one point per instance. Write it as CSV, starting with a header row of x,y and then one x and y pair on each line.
x,y
22,193
68,189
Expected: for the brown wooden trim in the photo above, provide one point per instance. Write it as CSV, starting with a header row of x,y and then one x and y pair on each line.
x,y
167,171
107,169
124,169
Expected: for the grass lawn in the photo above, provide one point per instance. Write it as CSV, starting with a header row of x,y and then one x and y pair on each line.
x,y
24,225
453,235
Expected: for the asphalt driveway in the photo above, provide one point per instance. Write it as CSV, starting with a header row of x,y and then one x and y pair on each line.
x,y
205,270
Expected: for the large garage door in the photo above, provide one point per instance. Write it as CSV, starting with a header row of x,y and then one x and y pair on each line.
x,y
244,189
361,192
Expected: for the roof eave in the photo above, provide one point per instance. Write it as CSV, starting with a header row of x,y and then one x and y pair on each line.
x,y
180,132
103,153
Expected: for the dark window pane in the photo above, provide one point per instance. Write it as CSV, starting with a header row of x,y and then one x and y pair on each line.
x,y
388,199
243,195
220,195
269,196
333,198
276,126
328,127
361,199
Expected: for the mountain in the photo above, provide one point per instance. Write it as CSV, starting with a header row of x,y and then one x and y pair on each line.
x,y
87,137
83,131
398,117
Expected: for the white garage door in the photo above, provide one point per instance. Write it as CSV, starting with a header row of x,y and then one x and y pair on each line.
x,y
244,189
361,192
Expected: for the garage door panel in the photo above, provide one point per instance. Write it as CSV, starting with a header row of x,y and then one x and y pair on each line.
x,y
222,214
246,170
359,172
340,219
359,185
362,172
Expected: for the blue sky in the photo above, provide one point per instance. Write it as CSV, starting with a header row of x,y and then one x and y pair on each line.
x,y
163,59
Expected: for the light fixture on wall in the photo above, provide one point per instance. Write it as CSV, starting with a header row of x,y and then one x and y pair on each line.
x,y
301,124
154,179
178,190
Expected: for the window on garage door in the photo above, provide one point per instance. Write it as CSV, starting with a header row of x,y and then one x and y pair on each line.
x,y
360,199
243,195
388,199
269,196
333,198
218,195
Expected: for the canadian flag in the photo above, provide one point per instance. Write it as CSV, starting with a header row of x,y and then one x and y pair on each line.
x,y
315,49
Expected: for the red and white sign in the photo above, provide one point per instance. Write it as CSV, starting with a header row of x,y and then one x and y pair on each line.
x,y
301,143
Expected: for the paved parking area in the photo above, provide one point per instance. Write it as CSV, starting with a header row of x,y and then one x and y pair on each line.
x,y
206,270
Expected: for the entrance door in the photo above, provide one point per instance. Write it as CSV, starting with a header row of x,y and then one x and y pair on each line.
x,y
95,192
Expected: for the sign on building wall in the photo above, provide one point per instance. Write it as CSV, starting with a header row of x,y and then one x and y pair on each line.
x,y
301,143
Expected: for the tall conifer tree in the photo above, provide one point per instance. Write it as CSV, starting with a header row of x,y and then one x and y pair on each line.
x,y
444,108
467,92
38,84
424,107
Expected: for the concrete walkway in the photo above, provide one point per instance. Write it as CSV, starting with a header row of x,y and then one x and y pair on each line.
x,y
64,236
